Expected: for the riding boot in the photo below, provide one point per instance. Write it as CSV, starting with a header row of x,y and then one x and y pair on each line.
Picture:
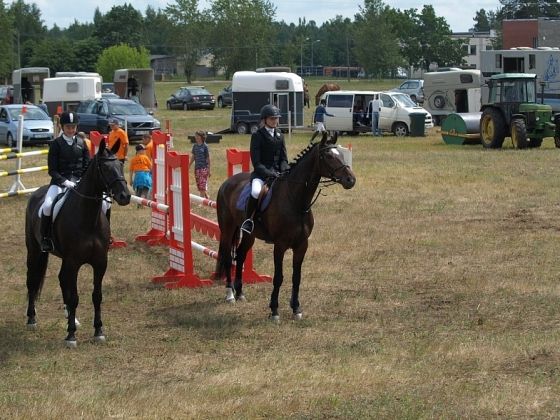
x,y
46,241
248,224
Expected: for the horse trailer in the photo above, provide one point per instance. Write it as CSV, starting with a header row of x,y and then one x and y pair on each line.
x,y
136,84
542,61
65,93
251,91
26,81
453,91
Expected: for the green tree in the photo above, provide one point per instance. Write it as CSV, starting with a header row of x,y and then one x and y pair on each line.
x,y
29,29
482,20
243,34
529,9
121,57
6,42
377,49
87,52
121,25
188,29
56,54
158,28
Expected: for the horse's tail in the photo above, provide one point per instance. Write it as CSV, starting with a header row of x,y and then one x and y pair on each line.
x,y
226,254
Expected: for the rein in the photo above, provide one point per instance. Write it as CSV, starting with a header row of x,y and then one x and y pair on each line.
x,y
327,183
108,192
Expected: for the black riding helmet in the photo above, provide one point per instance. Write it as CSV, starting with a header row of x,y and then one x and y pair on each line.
x,y
70,118
268,111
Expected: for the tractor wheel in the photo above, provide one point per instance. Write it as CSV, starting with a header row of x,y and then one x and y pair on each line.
x,y
519,134
492,128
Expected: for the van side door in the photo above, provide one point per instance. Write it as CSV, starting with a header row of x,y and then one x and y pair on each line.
x,y
339,104
388,113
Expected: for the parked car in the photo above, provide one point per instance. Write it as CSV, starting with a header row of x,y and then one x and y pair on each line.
x,y
108,88
413,88
6,93
194,97
94,116
225,97
38,128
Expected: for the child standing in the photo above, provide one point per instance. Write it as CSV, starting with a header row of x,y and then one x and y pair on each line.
x,y
140,172
200,156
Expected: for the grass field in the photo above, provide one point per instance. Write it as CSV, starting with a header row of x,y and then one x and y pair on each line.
x,y
429,291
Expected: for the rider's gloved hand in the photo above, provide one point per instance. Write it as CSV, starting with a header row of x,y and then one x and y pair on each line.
x,y
69,184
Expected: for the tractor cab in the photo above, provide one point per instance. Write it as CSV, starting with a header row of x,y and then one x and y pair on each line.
x,y
512,111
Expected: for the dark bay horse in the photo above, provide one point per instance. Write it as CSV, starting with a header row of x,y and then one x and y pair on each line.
x,y
287,222
81,235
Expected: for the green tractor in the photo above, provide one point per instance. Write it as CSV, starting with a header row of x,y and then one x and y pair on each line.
x,y
512,111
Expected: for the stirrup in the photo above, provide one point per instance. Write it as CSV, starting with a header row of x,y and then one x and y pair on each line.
x,y
248,226
47,245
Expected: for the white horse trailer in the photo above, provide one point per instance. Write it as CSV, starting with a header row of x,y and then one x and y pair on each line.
x,y
253,90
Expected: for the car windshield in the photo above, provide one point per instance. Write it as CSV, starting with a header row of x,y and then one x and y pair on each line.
x,y
31,114
404,100
131,108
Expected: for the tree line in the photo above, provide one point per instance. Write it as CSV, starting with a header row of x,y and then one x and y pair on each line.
x,y
244,35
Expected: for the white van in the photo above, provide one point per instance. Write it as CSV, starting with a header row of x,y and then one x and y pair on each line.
x,y
394,115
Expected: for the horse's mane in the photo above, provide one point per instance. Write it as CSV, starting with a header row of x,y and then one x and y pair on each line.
x,y
301,155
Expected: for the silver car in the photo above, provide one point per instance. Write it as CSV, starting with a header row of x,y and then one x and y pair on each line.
x,y
413,88
38,128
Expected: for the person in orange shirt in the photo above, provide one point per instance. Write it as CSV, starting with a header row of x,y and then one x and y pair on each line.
x,y
88,143
140,172
148,144
118,133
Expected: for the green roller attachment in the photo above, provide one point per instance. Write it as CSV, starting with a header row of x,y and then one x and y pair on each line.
x,y
461,128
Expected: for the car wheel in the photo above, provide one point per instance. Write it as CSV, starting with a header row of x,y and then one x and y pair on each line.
x,y
400,129
10,140
254,128
185,107
221,103
242,128
413,97
168,105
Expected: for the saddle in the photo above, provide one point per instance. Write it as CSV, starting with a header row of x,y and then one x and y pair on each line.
x,y
262,202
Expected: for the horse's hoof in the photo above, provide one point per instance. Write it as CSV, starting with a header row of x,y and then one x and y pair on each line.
x,y
229,295
31,327
99,339
275,319
241,298
71,344
298,316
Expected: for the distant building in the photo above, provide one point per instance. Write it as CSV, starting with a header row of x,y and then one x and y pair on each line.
x,y
170,65
477,42
532,33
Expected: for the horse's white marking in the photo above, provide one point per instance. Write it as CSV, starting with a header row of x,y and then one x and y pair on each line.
x,y
229,295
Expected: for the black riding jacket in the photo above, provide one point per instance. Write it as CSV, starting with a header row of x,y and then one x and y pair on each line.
x,y
65,161
268,154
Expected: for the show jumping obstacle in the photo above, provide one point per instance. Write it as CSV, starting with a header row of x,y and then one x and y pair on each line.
x,y
17,187
172,219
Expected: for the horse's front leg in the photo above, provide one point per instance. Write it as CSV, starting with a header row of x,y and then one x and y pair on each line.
x,y
244,247
299,255
277,281
97,298
68,278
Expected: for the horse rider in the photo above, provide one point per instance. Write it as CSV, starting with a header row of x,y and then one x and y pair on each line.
x,y
67,160
268,156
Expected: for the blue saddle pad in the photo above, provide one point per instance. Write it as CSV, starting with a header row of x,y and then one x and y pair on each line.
x,y
244,196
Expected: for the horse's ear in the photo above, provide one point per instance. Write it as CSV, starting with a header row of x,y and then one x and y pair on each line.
x,y
334,137
102,147
116,146
325,137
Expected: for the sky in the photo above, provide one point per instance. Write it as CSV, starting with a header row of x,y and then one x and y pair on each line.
x,y
459,14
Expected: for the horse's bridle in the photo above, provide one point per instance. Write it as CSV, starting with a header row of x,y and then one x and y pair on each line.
x,y
107,190
331,175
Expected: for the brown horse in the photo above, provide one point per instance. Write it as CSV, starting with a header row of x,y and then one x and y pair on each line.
x,y
81,236
327,87
287,222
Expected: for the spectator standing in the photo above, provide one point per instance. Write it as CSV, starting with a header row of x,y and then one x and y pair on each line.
x,y
141,172
374,108
43,106
200,156
118,133
148,144
319,118
88,143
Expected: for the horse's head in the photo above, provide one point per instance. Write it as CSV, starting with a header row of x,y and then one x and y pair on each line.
x,y
112,174
332,162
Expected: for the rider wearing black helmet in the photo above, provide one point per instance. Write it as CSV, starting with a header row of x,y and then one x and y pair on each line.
x,y
268,156
67,160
